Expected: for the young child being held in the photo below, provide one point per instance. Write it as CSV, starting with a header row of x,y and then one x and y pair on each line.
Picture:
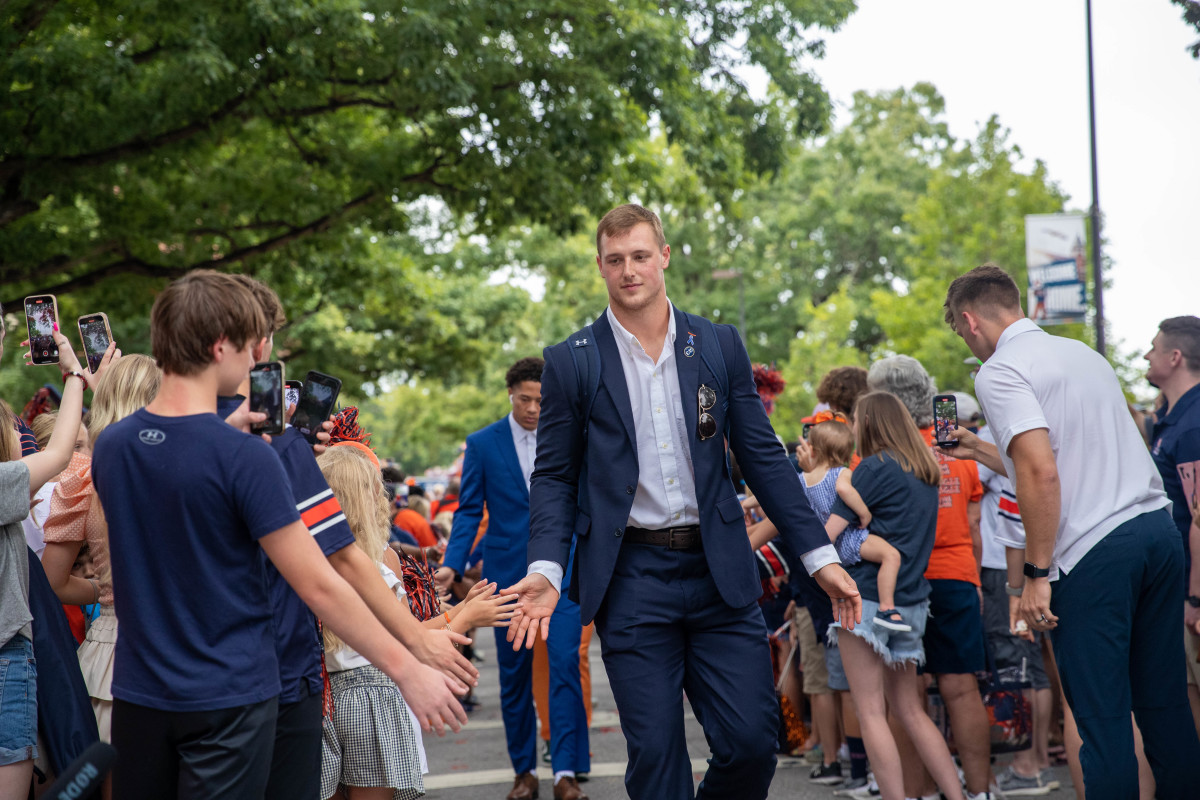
x,y
823,457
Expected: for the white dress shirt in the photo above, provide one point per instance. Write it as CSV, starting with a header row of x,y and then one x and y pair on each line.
x,y
526,444
1107,477
666,490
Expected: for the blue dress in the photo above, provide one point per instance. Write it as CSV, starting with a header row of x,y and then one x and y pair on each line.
x,y
822,497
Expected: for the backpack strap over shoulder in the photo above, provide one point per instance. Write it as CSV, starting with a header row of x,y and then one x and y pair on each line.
x,y
586,357
710,350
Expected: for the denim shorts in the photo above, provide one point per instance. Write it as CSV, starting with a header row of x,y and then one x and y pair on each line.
x,y
894,647
837,673
18,702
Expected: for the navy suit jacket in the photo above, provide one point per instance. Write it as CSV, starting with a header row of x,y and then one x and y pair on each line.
x,y
583,485
492,476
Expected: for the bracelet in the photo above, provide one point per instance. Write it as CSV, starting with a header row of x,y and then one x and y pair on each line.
x,y
75,374
95,590
446,614
1014,591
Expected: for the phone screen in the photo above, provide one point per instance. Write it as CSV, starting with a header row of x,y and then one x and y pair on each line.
x,y
40,317
945,419
291,393
266,396
805,429
317,398
94,331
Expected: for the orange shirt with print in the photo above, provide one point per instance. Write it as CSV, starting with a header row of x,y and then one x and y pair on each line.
x,y
953,556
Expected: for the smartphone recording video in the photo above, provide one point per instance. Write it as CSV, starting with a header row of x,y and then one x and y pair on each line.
x,y
318,396
291,393
96,336
41,315
266,396
945,419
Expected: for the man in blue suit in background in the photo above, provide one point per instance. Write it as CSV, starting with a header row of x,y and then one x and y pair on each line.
x,y
632,466
496,473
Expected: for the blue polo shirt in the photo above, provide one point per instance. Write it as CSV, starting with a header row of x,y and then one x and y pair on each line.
x,y
1176,451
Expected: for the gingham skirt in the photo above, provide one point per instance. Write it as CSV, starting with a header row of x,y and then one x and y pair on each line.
x,y
369,741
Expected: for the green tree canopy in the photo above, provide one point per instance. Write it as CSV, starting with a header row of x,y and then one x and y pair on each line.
x,y
297,141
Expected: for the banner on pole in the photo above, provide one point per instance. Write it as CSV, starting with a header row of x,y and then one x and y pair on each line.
x,y
1055,255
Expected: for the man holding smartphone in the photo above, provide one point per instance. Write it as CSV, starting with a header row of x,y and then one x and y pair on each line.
x,y
1104,560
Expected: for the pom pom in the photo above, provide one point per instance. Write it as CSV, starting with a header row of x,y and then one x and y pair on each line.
x,y
769,383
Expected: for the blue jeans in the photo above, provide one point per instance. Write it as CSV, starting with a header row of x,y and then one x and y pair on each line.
x,y
1118,649
18,701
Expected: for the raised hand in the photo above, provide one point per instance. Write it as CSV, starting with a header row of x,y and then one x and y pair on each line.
x,y
537,601
430,695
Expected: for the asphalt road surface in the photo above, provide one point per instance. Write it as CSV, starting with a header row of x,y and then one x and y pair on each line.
x,y
473,764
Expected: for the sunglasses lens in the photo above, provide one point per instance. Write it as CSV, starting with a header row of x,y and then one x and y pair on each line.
x,y
707,397
707,426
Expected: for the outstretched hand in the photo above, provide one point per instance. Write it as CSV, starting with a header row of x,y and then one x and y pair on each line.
x,y
537,599
841,588
430,695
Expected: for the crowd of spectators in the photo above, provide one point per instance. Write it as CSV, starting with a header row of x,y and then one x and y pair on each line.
x,y
951,551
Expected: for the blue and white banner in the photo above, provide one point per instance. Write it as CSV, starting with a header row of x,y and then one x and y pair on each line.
x,y
1056,257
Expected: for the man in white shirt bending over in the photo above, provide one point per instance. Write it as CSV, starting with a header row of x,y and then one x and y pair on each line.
x,y
1096,527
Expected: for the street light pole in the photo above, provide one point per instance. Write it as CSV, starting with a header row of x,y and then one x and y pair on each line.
x,y
1097,272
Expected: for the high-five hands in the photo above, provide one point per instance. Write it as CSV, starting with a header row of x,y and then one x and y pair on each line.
x,y
536,603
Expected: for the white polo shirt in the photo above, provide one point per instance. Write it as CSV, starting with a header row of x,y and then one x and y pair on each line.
x,y
1107,477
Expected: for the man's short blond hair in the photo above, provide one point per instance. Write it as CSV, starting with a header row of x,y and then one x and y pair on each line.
x,y
622,219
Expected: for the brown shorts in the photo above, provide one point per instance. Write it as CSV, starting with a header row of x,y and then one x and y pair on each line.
x,y
812,653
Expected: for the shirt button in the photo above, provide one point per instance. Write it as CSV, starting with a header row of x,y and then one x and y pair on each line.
x,y
618,531
628,490
658,410
676,515
664,445
670,481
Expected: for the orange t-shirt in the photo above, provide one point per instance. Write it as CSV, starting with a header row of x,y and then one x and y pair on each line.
x,y
417,525
953,556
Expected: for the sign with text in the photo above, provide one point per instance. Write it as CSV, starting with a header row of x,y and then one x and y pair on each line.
x,y
1056,257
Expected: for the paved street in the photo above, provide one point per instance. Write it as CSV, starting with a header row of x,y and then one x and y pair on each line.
x,y
473,764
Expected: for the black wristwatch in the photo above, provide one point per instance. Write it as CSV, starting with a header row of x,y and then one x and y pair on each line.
x,y
1193,601
1034,571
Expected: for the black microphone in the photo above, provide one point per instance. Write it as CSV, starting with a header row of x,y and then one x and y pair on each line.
x,y
83,777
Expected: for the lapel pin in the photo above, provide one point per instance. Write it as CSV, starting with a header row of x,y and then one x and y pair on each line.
x,y
689,351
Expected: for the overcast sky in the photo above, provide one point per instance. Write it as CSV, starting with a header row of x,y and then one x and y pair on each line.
x,y
1026,60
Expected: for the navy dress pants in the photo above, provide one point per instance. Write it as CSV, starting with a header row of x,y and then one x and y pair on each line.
x,y
568,717
665,630
1118,649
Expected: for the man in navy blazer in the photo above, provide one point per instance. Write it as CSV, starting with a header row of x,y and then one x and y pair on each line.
x,y
496,473
636,474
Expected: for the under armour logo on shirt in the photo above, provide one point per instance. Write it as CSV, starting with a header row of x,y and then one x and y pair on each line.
x,y
152,436
580,342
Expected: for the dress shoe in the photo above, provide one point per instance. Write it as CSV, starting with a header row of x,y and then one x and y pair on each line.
x,y
525,787
568,789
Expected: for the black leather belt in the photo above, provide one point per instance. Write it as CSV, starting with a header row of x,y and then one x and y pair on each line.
x,y
682,538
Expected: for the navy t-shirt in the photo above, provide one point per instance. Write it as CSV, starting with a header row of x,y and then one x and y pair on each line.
x,y
1176,451
904,512
186,500
297,643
